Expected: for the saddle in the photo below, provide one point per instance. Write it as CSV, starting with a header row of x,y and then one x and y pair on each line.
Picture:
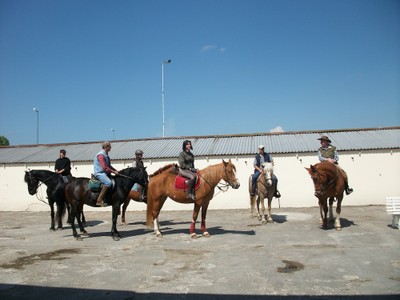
x,y
95,184
181,182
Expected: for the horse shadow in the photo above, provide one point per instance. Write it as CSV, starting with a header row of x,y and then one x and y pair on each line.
x,y
344,223
216,230
279,218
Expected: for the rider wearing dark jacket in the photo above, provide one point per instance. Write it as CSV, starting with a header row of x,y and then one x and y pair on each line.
x,y
186,167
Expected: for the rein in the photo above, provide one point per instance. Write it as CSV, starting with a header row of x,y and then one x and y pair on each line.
x,y
39,184
325,187
223,187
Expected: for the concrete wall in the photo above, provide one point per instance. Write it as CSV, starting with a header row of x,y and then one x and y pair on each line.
x,y
374,175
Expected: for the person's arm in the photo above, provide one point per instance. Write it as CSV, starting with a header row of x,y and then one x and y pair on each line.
x,y
257,167
103,164
320,156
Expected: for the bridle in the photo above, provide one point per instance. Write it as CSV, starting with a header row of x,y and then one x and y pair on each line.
x,y
325,187
223,187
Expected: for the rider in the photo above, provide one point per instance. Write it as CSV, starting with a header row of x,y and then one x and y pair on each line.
x,y
327,152
138,163
259,159
187,169
103,170
63,166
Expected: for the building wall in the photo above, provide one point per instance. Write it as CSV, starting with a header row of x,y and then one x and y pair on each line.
x,y
373,175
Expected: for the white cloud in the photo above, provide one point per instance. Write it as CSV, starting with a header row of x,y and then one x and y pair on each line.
x,y
212,48
277,129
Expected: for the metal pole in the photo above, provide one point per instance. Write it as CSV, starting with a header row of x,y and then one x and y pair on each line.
x,y
162,98
37,124
162,95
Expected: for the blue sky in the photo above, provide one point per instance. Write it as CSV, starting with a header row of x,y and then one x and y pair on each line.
x,y
245,66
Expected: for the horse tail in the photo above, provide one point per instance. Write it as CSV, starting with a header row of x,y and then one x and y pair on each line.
x,y
61,202
149,211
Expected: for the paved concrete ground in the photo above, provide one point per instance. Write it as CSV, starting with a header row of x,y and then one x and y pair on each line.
x,y
292,258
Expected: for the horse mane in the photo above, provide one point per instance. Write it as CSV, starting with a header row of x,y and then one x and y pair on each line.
x,y
173,167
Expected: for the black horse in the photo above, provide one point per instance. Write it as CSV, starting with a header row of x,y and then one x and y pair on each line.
x,y
55,192
78,193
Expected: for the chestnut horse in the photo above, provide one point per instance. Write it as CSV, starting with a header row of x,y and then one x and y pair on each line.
x,y
135,196
78,193
161,186
265,189
328,183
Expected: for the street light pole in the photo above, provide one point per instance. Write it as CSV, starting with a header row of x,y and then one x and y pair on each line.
x,y
162,94
113,131
37,124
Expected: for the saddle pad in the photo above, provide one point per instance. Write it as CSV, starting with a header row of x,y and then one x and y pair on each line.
x,y
181,185
94,185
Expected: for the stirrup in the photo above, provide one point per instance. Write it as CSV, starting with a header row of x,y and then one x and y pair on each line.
x,y
349,191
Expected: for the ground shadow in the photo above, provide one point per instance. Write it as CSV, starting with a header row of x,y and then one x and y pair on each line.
x,y
17,292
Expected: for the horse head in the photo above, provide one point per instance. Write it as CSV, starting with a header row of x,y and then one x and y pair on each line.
x,y
32,182
321,177
230,174
268,171
139,175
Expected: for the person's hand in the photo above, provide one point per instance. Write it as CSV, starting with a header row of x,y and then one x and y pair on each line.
x,y
331,160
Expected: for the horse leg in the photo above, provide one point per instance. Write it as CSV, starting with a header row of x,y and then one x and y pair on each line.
x,y
192,229
59,215
261,215
331,199
252,205
155,213
124,207
324,210
78,218
74,208
338,211
321,218
203,220
114,232
269,219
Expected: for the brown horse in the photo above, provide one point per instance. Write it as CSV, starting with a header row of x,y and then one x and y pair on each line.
x,y
161,186
135,196
328,183
265,189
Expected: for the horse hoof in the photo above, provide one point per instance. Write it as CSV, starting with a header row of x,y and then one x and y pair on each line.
x,y
116,238
85,234
338,228
159,235
79,238
206,234
193,235
60,228
263,221
52,229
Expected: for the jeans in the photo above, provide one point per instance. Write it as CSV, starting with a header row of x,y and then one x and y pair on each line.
x,y
105,180
255,176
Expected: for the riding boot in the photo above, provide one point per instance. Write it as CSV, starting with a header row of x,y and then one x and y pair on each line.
x,y
348,189
277,194
100,199
253,189
190,190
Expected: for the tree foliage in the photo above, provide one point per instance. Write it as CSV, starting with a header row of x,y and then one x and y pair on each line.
x,y
4,141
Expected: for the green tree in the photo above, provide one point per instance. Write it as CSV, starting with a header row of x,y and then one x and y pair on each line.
x,y
4,141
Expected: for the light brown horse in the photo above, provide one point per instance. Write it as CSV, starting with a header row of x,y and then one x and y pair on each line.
x,y
135,196
161,186
328,183
265,189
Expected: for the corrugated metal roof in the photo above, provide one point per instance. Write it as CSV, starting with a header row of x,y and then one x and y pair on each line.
x,y
241,144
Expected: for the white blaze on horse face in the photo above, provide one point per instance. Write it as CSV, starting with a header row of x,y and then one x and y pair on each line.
x,y
268,171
